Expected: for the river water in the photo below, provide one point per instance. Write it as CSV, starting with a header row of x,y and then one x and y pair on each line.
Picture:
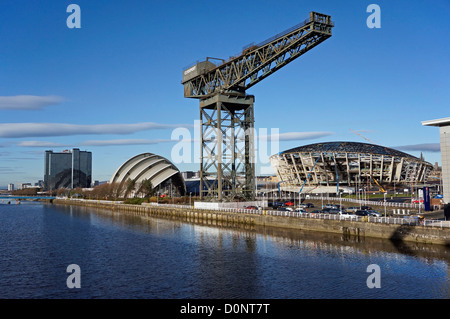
x,y
131,256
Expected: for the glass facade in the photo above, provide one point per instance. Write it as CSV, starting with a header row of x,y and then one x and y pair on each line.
x,y
69,169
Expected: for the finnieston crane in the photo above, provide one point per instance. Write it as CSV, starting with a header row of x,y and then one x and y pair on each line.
x,y
227,165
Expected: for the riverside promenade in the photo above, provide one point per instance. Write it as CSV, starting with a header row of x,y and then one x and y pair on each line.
x,y
395,229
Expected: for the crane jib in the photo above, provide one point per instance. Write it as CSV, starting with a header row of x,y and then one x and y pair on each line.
x,y
256,62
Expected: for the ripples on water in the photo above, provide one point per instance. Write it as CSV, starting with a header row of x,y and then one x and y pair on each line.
x,y
123,256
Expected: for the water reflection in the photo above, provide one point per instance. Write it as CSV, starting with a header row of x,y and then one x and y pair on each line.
x,y
212,233
138,256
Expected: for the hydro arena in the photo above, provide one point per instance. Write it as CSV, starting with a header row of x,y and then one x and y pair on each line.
x,y
342,166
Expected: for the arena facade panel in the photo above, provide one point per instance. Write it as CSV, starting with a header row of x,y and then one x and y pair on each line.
x,y
346,164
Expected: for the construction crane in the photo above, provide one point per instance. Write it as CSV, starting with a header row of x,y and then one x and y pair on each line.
x,y
227,166
361,136
378,184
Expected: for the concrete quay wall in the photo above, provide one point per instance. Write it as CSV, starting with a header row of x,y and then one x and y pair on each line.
x,y
419,234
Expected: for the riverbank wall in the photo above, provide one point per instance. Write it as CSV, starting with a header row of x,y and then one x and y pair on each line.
x,y
407,233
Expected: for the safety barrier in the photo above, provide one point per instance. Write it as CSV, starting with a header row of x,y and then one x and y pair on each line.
x,y
404,220
374,203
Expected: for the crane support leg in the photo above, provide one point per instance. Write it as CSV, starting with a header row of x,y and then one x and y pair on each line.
x,y
227,165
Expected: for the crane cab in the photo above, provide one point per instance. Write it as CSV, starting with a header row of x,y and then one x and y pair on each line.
x,y
194,71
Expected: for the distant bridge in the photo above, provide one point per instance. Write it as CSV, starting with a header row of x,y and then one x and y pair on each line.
x,y
3,197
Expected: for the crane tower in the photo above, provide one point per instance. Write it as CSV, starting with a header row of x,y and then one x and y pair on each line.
x,y
227,165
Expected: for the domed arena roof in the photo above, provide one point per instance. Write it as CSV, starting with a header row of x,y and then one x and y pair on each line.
x,y
345,163
349,147
149,166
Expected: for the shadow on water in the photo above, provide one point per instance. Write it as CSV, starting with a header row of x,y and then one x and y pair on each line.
x,y
397,239
410,248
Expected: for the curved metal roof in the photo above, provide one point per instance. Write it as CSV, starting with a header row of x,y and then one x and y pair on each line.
x,y
349,147
147,166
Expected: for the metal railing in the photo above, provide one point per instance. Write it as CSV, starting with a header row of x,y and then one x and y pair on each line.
x,y
405,220
369,202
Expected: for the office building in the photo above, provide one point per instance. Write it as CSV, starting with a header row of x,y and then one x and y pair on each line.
x,y
24,185
444,133
68,169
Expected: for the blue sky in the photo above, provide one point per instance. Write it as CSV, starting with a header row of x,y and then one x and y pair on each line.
x,y
113,87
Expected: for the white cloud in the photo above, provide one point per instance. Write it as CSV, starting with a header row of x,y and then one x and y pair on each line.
x,y
123,142
290,136
427,147
296,136
115,142
28,102
19,130
39,144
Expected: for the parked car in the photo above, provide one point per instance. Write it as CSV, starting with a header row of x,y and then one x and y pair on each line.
x,y
275,204
374,213
362,213
347,215
332,206
366,208
317,211
329,210
352,209
300,210
307,205
417,201
289,203
284,209
252,207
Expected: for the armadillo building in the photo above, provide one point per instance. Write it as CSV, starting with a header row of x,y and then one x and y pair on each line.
x,y
164,176
325,166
